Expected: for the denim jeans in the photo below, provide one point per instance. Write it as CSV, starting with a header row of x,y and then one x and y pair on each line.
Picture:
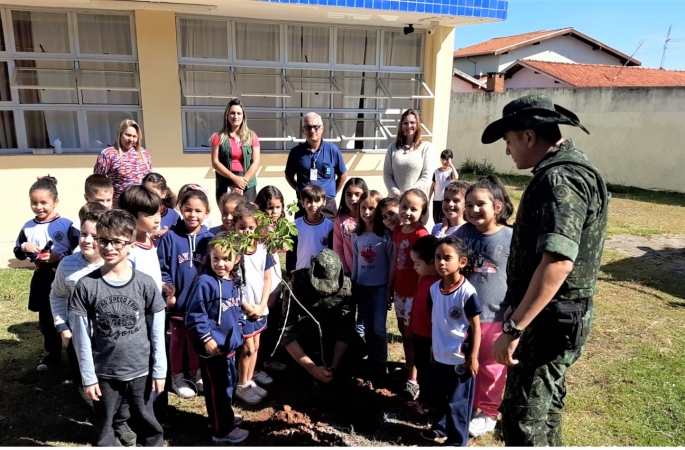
x,y
373,312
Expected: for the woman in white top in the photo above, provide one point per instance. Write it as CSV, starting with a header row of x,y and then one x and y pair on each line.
x,y
409,161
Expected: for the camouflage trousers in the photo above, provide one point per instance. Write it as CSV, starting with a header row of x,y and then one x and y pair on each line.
x,y
535,389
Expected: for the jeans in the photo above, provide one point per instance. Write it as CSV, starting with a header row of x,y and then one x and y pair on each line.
x,y
454,402
137,393
373,312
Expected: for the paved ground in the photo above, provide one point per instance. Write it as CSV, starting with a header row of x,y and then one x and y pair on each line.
x,y
666,251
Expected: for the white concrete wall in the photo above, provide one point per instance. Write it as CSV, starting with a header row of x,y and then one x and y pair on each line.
x,y
460,86
558,49
483,64
637,134
526,78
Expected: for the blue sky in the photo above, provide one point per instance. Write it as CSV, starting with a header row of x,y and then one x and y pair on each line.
x,y
620,24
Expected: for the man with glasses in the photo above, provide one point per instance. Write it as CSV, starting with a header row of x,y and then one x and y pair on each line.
x,y
316,161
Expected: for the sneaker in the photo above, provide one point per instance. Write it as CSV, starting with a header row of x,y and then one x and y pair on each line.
x,y
125,435
433,435
410,390
197,379
247,395
274,366
182,387
481,424
234,437
262,378
45,364
237,419
255,387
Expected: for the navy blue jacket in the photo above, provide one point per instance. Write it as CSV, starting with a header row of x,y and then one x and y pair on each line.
x,y
213,311
180,259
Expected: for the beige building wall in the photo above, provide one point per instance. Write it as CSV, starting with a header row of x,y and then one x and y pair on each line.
x,y
637,134
161,104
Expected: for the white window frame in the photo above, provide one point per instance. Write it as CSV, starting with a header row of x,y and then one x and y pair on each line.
x,y
401,69
205,61
379,113
184,86
356,67
423,84
286,86
331,79
15,73
81,87
373,119
324,117
10,55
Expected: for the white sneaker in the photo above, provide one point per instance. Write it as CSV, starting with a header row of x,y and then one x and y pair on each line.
x,y
481,424
255,387
262,378
234,437
198,382
181,386
248,395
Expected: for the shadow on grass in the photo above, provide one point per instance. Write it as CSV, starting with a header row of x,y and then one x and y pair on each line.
x,y
37,407
17,264
662,270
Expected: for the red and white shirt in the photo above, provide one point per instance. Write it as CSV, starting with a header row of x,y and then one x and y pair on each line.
x,y
125,171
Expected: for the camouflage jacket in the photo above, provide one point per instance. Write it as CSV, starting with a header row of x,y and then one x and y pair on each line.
x,y
334,312
563,210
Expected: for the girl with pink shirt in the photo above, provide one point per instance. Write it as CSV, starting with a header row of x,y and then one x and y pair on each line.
x,y
345,223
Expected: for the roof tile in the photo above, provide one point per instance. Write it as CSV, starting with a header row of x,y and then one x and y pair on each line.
x,y
599,75
495,44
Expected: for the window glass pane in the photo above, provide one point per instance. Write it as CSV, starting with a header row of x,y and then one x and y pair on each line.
x,y
92,97
43,127
200,126
359,126
310,100
44,64
401,50
356,46
5,94
108,80
262,88
41,32
308,44
106,65
258,41
104,125
360,91
104,34
203,38
269,128
8,135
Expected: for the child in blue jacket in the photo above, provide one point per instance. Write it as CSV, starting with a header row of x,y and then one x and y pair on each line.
x,y
212,319
181,252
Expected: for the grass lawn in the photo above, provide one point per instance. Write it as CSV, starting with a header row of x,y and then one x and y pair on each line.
x,y
627,389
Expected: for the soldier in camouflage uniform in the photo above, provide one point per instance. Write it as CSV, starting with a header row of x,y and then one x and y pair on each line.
x,y
556,251
327,294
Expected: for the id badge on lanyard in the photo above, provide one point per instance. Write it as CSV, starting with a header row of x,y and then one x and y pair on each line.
x,y
313,173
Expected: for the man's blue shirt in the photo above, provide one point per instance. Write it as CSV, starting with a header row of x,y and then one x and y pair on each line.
x,y
329,164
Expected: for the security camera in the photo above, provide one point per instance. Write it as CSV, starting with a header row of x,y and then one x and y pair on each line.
x,y
431,31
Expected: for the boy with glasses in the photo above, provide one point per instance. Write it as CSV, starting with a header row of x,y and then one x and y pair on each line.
x,y
117,318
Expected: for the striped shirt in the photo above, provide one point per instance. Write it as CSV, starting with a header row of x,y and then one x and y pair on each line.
x,y
70,270
125,171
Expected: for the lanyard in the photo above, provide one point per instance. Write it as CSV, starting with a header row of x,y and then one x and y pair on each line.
x,y
315,156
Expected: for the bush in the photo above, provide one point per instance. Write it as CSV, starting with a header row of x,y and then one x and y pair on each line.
x,y
473,167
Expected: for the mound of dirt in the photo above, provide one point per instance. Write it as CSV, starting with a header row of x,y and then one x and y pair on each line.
x,y
292,417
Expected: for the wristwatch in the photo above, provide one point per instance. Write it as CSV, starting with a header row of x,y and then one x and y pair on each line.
x,y
509,327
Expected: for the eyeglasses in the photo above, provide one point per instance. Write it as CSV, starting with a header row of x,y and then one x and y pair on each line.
x,y
117,244
311,127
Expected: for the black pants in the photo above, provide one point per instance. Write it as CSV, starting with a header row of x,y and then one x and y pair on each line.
x,y
224,185
220,376
455,392
121,416
438,215
424,367
137,393
52,342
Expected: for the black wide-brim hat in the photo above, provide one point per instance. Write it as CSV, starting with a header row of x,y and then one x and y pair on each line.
x,y
529,112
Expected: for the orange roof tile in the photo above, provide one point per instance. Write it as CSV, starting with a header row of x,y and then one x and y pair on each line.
x,y
600,75
500,45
